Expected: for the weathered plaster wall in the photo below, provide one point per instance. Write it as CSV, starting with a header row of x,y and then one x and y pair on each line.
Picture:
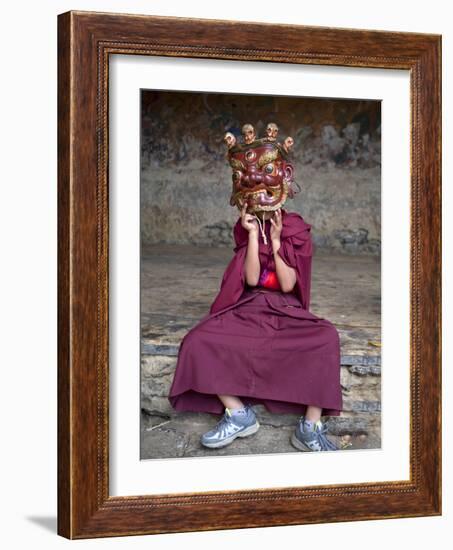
x,y
186,181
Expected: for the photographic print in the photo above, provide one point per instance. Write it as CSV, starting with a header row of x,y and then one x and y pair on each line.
x,y
260,274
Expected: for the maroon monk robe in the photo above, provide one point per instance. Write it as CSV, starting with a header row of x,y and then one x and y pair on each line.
x,y
262,345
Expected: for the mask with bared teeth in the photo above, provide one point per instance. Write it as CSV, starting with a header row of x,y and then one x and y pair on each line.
x,y
263,175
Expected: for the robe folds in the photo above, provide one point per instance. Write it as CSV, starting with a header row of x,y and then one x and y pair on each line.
x,y
260,344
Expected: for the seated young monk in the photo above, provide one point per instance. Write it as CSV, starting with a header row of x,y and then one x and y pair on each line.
x,y
259,343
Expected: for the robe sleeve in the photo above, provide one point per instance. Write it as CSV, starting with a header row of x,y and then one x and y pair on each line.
x,y
233,280
297,252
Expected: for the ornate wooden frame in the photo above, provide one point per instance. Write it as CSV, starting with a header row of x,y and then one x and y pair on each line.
x,y
85,41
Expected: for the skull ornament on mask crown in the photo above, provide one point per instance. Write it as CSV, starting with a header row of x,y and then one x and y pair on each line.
x,y
262,175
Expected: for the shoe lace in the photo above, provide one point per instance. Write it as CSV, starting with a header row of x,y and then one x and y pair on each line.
x,y
326,444
224,422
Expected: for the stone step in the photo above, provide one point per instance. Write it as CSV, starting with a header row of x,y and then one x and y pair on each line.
x,y
361,363
173,433
179,436
162,335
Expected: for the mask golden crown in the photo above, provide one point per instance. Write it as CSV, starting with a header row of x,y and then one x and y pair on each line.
x,y
249,138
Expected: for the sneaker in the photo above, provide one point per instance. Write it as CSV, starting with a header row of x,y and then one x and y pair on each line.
x,y
234,423
309,436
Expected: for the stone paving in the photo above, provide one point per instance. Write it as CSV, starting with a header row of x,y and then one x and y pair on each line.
x,y
345,290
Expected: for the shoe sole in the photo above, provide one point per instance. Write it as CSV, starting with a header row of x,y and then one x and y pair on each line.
x,y
303,447
248,431
299,444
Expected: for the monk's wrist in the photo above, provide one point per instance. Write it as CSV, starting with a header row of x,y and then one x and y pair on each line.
x,y
276,244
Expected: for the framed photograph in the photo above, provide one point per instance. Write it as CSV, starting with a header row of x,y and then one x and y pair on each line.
x,y
249,242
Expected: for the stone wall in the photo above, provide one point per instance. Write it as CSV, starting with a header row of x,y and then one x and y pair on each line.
x,y
186,181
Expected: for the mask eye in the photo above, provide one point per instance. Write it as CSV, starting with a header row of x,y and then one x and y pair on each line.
x,y
236,176
269,168
250,156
